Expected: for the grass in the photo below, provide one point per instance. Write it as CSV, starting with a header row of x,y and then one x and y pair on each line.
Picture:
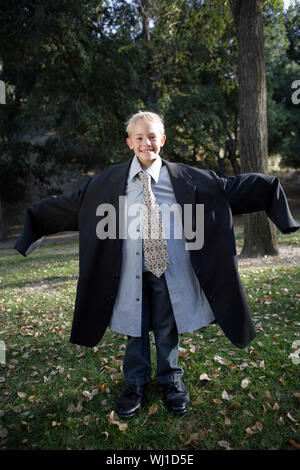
x,y
55,395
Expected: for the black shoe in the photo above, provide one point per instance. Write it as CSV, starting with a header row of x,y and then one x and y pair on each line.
x,y
131,400
176,397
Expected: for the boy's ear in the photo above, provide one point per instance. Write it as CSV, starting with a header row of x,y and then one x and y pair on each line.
x,y
163,139
128,141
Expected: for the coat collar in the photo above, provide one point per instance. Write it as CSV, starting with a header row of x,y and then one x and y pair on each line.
x,y
184,190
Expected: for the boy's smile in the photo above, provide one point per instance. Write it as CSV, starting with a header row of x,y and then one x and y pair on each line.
x,y
146,140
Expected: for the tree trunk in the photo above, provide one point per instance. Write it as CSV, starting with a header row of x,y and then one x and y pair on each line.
x,y
259,233
2,230
230,153
150,92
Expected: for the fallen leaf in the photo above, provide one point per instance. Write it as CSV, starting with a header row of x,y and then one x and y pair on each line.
x,y
221,360
79,406
123,426
259,426
153,409
224,444
105,434
276,406
216,400
204,377
54,423
227,421
245,383
71,408
86,420
113,420
21,394
225,395
294,444
251,430
194,437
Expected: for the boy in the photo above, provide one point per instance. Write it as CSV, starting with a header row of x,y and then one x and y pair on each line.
x,y
136,283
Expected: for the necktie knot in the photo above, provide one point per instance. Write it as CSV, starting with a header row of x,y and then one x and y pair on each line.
x,y
144,177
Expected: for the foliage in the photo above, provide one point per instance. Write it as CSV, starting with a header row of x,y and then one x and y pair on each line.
x,y
283,67
77,70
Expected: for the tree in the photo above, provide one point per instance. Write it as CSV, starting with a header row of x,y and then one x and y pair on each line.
x,y
259,233
282,46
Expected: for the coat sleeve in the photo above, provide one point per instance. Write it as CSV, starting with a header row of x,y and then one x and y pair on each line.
x,y
251,192
50,215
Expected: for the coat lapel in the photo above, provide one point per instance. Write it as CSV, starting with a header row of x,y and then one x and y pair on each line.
x,y
118,179
184,189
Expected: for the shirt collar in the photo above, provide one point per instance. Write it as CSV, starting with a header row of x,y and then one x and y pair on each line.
x,y
153,170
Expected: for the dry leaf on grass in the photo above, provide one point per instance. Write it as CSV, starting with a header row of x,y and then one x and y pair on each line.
x,y
225,396
227,421
112,420
221,360
294,444
153,409
245,383
224,444
204,377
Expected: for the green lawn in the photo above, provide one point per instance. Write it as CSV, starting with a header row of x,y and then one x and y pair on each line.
x,y
55,395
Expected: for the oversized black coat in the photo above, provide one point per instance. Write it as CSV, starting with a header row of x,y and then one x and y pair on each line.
x,y
215,264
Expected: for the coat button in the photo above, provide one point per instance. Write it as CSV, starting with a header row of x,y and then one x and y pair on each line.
x,y
112,297
117,275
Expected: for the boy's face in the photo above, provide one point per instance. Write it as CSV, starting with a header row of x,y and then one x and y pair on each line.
x,y
146,140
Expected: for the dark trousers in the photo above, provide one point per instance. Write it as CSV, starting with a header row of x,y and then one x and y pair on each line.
x,y
157,315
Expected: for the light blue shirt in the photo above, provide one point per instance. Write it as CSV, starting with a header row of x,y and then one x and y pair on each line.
x,y
190,306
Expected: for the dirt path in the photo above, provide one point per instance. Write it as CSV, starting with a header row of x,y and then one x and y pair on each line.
x,y
288,254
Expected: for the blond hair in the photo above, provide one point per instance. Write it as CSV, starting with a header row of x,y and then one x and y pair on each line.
x,y
148,116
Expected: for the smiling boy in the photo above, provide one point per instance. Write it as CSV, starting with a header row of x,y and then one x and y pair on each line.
x,y
134,285
145,138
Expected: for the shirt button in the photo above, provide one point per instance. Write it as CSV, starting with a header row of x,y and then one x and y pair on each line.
x,y
137,252
112,297
117,275
138,277
137,300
